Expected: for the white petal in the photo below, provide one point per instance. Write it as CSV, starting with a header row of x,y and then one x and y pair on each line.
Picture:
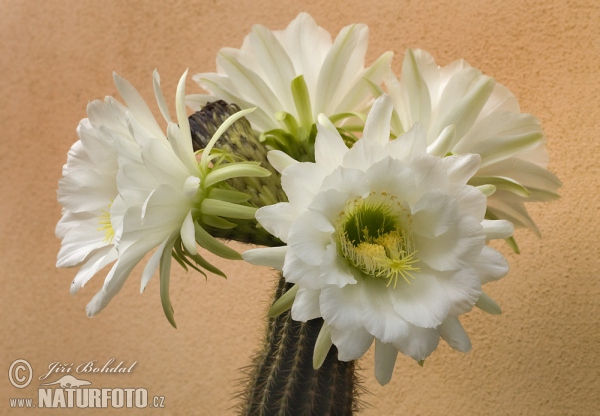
x,y
529,174
329,148
377,126
359,93
301,182
471,201
224,88
364,154
308,242
418,100
307,45
461,168
277,219
351,344
138,106
510,207
188,234
347,181
393,177
272,257
385,359
490,265
160,99
423,302
411,143
275,62
306,305
257,91
444,142
93,264
434,214
496,229
454,334
463,288
182,146
454,249
334,268
280,160
342,307
340,66
419,343
378,314
152,265
81,238
428,171
461,102
116,278
164,165
297,271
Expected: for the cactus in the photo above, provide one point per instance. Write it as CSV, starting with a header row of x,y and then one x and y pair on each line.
x,y
281,381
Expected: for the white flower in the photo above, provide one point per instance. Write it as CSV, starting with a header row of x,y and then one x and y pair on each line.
x,y
293,75
486,120
384,242
157,192
168,195
93,211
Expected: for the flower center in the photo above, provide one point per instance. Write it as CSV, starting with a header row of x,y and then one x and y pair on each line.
x,y
106,225
374,235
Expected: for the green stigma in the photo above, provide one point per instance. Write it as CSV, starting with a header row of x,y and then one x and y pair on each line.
x,y
375,238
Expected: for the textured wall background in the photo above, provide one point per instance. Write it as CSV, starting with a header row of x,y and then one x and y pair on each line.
x,y
542,356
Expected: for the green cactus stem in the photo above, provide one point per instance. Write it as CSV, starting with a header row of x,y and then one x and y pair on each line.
x,y
281,381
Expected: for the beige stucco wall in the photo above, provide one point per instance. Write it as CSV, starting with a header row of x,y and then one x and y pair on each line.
x,y
542,356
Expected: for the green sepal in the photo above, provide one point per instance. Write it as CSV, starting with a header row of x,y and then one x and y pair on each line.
x,y
322,346
487,304
207,241
234,170
179,260
500,182
202,262
227,209
228,195
222,128
165,276
181,252
280,140
341,116
218,222
289,121
487,190
512,243
302,101
284,303
421,363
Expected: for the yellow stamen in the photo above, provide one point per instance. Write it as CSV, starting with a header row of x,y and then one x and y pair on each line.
x,y
106,225
385,249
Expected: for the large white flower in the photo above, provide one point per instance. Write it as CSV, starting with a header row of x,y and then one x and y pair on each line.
x,y
293,75
129,188
168,194
384,242
93,211
486,120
